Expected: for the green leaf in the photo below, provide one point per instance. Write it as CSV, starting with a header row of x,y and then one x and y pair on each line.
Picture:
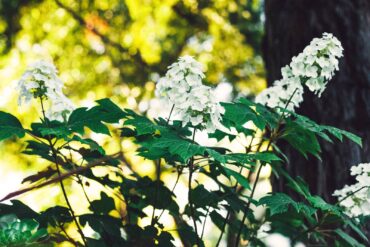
x,y
141,124
10,126
103,224
250,158
320,130
187,233
355,228
41,233
299,186
353,242
240,113
16,232
303,140
29,225
319,203
165,239
8,219
216,155
52,128
18,208
177,146
280,203
94,146
219,135
202,198
38,148
340,133
186,149
102,206
238,177
217,219
54,216
94,118
267,157
127,132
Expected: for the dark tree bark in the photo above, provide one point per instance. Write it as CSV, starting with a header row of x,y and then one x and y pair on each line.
x,y
290,26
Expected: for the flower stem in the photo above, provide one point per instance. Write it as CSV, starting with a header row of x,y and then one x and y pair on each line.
x,y
171,111
351,194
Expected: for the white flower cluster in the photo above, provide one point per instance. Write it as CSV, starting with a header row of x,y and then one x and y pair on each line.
x,y
41,81
314,67
356,198
193,102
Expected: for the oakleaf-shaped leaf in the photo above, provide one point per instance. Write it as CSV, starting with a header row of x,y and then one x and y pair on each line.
x,y
319,203
280,203
94,118
177,146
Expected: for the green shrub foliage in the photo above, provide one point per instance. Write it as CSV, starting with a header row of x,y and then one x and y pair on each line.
x,y
306,218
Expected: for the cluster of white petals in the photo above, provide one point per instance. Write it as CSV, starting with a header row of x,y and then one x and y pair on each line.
x,y
41,81
285,93
314,67
356,198
193,102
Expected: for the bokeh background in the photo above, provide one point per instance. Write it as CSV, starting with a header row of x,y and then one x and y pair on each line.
x,y
119,49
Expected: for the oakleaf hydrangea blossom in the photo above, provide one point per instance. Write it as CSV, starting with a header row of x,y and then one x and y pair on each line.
x,y
356,198
314,67
193,102
41,81
286,93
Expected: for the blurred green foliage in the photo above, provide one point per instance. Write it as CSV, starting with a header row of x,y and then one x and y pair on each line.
x,y
103,45
15,232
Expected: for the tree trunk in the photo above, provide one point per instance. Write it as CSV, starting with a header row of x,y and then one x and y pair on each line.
x,y
290,26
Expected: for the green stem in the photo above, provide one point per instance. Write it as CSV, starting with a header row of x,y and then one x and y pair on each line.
x,y
247,150
276,132
168,119
204,223
55,157
248,205
191,207
158,178
173,189
273,136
